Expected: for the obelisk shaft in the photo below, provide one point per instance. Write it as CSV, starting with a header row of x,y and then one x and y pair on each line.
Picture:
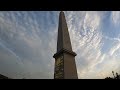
x,y
65,67
63,35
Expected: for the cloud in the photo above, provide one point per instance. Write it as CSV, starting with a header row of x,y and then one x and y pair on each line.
x,y
26,37
114,49
115,17
30,39
88,42
10,64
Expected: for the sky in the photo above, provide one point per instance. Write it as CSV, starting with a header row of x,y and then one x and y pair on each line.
x,y
28,41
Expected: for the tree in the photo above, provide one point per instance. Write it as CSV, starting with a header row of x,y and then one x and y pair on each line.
x,y
114,77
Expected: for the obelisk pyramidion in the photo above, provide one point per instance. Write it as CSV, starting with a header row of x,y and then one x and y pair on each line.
x,y
65,66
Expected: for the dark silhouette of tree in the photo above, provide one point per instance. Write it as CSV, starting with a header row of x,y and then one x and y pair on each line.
x,y
3,77
117,76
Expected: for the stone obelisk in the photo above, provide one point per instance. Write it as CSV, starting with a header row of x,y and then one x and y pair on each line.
x,y
65,66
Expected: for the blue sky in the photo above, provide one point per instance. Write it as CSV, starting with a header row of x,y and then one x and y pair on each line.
x,y
28,41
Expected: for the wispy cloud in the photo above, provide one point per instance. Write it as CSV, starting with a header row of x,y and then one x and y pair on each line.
x,y
115,17
30,38
87,42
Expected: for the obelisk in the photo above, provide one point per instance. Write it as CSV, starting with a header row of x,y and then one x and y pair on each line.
x,y
65,66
